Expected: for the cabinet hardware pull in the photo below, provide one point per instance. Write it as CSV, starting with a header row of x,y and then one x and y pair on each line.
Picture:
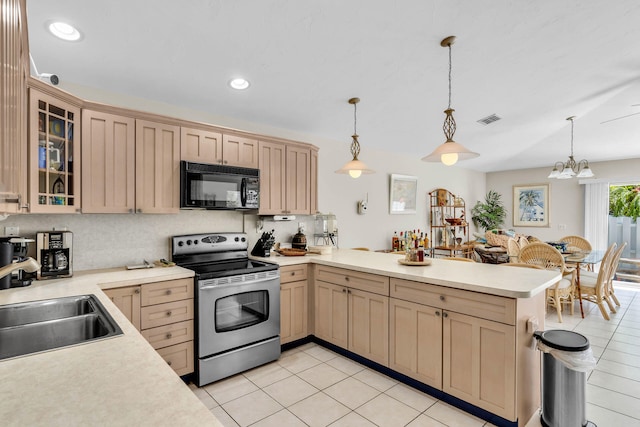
x,y
168,313
169,335
293,273
168,291
441,297
437,313
346,278
344,290
348,291
444,314
137,291
169,362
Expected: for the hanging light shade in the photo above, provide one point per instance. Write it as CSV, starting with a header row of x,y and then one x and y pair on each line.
x,y
355,167
450,151
571,168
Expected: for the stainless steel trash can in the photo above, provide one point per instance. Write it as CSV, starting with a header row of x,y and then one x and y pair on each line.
x,y
563,388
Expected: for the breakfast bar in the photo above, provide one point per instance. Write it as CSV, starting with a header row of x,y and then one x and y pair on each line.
x,y
460,331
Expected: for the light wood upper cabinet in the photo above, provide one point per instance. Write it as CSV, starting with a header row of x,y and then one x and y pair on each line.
x,y
201,146
13,109
54,154
273,179
298,180
286,182
313,180
157,167
108,163
239,151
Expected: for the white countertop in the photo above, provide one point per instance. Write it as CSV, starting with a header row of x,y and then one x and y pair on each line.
x,y
119,381
494,279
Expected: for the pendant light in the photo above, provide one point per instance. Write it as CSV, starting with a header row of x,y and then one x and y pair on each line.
x,y
355,167
450,151
571,168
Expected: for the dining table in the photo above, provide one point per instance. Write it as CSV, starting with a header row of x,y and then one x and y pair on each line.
x,y
579,259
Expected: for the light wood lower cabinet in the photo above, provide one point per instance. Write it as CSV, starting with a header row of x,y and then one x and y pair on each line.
x,y
352,316
293,303
415,341
163,313
128,302
479,363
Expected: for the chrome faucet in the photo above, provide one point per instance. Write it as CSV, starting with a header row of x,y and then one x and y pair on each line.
x,y
29,265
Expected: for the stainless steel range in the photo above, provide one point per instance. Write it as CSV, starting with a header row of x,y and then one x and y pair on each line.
x,y
237,304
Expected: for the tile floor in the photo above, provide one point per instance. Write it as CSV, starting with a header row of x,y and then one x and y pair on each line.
x,y
313,386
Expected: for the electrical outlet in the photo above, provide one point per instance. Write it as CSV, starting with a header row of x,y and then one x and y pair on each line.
x,y
562,226
11,231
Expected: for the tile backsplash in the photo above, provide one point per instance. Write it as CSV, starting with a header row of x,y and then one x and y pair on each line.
x,y
114,240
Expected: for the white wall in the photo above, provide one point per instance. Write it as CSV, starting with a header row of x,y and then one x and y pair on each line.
x,y
102,241
566,197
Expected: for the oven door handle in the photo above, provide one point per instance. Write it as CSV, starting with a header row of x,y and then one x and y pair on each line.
x,y
227,285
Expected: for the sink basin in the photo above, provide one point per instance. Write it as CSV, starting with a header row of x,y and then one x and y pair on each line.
x,y
39,311
31,327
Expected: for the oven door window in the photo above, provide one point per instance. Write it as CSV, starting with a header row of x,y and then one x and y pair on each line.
x,y
242,310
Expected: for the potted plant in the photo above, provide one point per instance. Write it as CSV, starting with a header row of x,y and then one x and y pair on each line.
x,y
490,214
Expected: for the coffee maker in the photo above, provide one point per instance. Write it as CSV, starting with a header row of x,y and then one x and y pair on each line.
x,y
55,254
14,249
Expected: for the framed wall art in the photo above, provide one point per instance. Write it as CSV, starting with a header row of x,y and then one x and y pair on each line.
x,y
402,195
531,205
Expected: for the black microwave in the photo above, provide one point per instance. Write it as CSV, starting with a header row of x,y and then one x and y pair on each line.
x,y
207,186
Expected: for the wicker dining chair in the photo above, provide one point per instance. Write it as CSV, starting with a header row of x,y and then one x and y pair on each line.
x,y
610,263
578,244
549,258
513,250
595,289
457,258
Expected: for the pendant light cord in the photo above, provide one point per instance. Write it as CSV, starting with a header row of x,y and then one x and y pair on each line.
x,y
355,118
571,137
449,107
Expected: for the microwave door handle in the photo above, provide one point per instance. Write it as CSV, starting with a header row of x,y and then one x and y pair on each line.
x,y
243,192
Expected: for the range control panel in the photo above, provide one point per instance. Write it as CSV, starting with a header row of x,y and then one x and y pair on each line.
x,y
208,243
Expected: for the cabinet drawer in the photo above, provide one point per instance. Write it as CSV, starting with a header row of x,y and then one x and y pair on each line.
x,y
353,279
293,273
164,314
179,357
167,291
490,307
164,336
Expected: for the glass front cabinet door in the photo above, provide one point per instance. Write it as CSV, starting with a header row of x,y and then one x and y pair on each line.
x,y
54,153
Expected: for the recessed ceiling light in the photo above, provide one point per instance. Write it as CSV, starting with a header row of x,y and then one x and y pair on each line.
x,y
64,31
239,83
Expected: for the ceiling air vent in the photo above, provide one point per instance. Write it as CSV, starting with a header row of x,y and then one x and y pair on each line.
x,y
489,119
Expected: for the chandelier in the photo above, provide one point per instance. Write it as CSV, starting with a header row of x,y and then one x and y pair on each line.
x,y
571,168
355,167
450,151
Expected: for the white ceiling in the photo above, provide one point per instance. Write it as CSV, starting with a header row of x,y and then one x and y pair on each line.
x,y
533,63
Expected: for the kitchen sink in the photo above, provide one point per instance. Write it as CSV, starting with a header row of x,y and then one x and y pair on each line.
x,y
39,311
31,327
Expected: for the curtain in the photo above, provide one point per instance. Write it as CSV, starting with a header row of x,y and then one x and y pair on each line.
x,y
596,214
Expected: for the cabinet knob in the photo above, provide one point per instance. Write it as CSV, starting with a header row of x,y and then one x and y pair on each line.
x,y
346,278
169,335
344,290
348,291
225,162
437,313
168,292
441,297
168,313
444,314
169,362
138,210
293,273
130,210
137,291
